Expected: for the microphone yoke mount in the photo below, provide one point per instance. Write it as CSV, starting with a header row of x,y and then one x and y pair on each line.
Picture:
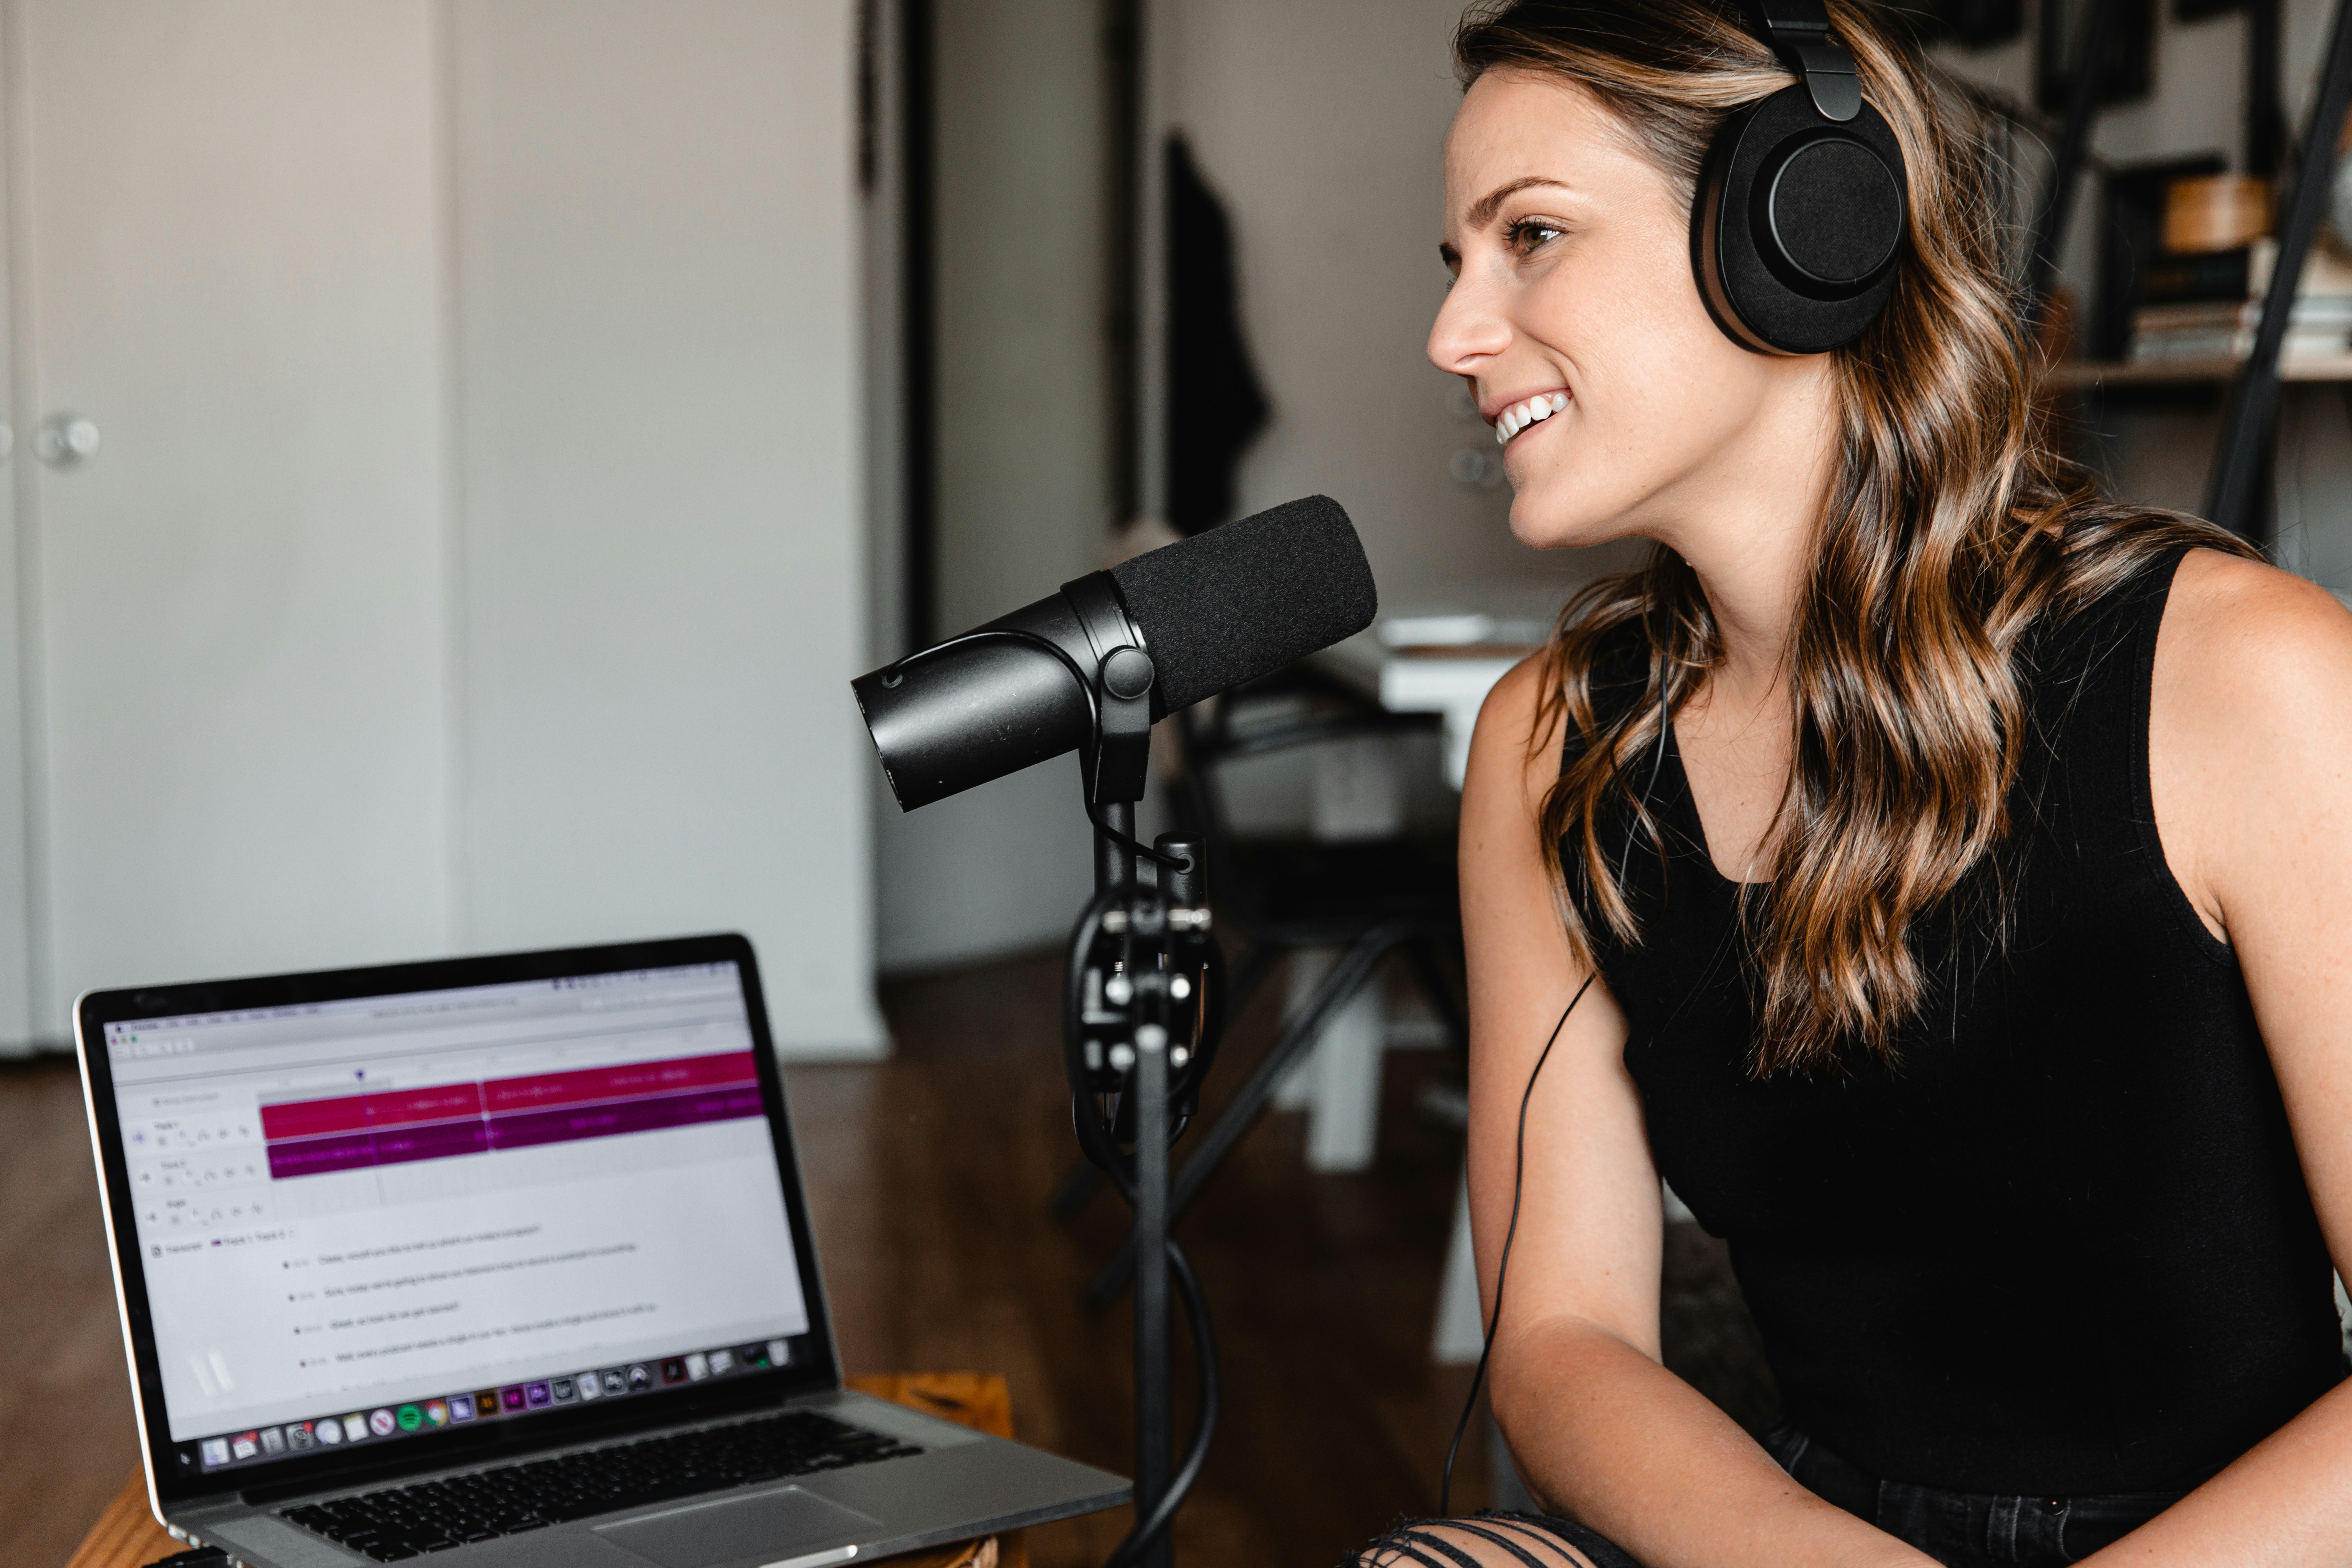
x,y
1116,753
1067,673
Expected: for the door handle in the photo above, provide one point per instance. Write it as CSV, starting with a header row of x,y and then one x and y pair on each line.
x,y
65,439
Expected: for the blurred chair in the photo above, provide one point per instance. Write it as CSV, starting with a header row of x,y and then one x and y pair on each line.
x,y
1363,887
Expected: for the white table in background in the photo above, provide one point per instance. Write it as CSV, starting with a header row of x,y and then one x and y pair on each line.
x,y
1359,791
1450,681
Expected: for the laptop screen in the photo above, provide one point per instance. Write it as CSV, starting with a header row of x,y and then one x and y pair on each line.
x,y
371,1220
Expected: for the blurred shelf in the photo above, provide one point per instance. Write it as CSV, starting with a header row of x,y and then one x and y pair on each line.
x,y
2077,373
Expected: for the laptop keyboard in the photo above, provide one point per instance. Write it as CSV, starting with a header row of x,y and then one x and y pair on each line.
x,y
396,1522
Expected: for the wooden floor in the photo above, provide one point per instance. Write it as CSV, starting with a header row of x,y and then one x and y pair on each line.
x,y
66,1439
928,1176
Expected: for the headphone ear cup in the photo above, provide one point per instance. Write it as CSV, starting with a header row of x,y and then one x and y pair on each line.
x,y
1798,225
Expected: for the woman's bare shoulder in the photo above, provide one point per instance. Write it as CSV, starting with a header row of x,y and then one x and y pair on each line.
x,y
1512,703
2249,725
1509,751
2245,646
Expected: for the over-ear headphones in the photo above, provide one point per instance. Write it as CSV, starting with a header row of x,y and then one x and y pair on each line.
x,y
1799,219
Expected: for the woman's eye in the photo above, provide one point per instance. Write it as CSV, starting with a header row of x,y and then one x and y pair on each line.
x,y
1529,234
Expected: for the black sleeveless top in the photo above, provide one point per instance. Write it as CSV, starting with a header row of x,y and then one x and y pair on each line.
x,y
2064,1246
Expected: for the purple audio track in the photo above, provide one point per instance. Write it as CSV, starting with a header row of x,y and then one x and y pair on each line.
x,y
316,1136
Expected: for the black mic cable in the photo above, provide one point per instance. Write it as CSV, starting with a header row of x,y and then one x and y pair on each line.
x,y
1520,1156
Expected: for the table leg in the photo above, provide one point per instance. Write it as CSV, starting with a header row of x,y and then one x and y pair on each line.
x,y
1338,1081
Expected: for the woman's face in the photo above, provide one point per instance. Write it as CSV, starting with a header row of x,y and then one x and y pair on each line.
x,y
1573,297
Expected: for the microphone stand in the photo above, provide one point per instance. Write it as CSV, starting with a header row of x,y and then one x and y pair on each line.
x,y
1143,1008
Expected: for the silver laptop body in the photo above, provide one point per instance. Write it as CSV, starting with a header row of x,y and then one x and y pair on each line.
x,y
378,1230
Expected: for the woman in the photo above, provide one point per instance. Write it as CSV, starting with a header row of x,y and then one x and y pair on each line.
x,y
1962,868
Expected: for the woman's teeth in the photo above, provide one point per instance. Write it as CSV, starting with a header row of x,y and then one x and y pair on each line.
x,y
1519,415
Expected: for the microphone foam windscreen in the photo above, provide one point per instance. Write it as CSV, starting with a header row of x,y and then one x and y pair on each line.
x,y
1241,601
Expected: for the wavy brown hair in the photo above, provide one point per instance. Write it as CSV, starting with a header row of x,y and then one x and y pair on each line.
x,y
1951,527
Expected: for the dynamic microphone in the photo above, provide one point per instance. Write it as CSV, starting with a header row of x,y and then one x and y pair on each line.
x,y
1092,666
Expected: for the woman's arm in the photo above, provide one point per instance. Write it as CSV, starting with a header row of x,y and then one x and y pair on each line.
x,y
1601,1430
2250,760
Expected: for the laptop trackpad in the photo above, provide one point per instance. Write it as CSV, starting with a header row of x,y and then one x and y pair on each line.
x,y
772,1527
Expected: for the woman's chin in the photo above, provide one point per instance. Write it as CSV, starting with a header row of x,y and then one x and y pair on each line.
x,y
1542,522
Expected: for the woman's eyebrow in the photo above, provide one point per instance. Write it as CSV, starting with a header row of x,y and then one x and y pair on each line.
x,y
1482,211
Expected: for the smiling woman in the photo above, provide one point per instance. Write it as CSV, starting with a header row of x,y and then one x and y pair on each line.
x,y
1938,874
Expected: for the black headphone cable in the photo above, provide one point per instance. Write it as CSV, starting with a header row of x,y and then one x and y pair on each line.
x,y
1520,1156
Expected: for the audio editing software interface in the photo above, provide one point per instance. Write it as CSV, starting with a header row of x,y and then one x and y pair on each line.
x,y
372,1219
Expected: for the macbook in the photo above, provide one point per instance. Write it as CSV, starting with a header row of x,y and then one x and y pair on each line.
x,y
500,1261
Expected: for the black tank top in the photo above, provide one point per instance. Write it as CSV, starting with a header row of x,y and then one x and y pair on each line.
x,y
2064,1244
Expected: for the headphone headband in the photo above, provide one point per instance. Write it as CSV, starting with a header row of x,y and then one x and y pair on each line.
x,y
1799,32
1798,224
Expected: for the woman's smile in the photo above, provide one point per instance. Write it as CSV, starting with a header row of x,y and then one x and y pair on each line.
x,y
1521,412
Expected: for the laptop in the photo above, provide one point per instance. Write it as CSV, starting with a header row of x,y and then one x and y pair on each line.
x,y
501,1262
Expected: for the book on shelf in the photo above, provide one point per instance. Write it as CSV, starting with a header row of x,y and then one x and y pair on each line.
x,y
2209,306
2225,275
2312,312
2173,346
2241,274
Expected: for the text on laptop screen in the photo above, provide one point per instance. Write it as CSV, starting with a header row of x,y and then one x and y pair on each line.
x,y
363,1204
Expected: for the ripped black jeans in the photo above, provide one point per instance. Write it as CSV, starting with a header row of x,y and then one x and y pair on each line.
x,y
1960,1529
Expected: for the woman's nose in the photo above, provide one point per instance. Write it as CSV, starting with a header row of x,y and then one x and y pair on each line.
x,y
1469,330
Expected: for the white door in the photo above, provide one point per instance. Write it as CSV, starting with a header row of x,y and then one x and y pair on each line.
x,y
469,553
227,221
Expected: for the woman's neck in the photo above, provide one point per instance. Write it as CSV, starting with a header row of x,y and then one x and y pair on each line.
x,y
1747,524
1752,586
1735,730
1752,559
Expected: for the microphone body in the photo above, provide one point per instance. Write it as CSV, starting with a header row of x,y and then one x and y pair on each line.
x,y
977,713
1209,613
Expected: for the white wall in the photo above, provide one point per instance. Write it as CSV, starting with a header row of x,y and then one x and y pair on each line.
x,y
1024,500
659,397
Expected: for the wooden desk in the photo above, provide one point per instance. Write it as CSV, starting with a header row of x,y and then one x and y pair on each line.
x,y
126,1536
